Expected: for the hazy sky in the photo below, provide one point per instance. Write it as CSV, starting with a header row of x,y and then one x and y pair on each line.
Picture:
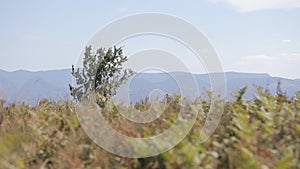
x,y
249,35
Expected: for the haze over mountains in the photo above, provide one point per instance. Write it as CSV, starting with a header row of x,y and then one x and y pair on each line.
x,y
31,86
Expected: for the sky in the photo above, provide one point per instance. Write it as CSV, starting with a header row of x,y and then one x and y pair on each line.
x,y
257,36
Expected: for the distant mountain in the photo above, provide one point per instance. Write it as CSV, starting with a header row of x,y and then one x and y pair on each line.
x,y
31,86
142,84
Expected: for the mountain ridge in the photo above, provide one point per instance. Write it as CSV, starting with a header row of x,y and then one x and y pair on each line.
x,y
31,86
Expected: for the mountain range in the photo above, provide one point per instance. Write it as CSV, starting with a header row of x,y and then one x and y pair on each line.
x,y
29,87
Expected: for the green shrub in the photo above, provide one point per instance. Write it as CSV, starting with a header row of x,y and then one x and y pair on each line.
x,y
263,132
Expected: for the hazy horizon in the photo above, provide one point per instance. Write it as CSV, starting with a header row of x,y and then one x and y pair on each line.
x,y
152,72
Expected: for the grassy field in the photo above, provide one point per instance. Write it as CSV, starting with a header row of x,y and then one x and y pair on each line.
x,y
263,132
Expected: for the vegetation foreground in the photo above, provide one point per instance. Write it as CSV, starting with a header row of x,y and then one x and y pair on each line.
x,y
260,133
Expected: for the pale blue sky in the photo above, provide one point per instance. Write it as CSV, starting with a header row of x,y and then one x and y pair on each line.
x,y
248,35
